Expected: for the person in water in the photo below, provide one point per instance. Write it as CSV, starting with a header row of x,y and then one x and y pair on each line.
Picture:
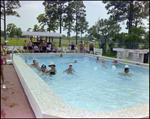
x,y
97,59
103,62
115,62
61,55
34,63
69,70
53,70
75,61
126,70
43,69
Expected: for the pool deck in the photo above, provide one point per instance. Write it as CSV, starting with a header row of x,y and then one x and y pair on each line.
x,y
14,102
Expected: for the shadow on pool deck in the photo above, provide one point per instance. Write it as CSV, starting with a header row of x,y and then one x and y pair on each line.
x,y
14,102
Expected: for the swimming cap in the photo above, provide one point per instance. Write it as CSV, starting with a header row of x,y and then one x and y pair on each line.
x,y
126,66
70,64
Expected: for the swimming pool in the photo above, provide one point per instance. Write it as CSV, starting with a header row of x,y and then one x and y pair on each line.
x,y
95,87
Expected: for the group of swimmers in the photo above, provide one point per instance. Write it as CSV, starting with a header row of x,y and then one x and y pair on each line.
x,y
115,62
53,70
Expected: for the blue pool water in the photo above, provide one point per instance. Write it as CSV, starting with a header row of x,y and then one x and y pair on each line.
x,y
95,87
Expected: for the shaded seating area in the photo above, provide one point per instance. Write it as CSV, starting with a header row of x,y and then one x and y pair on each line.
x,y
41,45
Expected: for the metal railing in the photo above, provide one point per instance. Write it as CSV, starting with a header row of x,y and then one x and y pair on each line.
x,y
19,53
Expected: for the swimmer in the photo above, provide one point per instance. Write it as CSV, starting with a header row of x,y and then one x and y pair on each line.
x,y
53,70
126,70
37,64
75,61
69,70
61,55
33,63
103,62
43,69
115,62
97,59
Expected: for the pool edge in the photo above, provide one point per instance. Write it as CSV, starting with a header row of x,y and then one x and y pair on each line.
x,y
83,113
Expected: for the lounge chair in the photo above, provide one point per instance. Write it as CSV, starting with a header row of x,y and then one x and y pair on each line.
x,y
65,49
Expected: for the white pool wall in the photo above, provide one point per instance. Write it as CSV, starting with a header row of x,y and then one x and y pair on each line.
x,y
47,104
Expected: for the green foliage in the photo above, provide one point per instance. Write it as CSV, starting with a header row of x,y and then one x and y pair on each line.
x,y
36,28
18,32
137,31
104,30
132,11
68,19
131,41
50,17
146,39
11,29
28,29
10,6
81,23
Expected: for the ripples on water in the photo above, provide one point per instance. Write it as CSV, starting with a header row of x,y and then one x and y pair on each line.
x,y
95,87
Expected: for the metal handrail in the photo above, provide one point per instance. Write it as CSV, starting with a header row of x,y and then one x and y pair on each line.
x,y
20,54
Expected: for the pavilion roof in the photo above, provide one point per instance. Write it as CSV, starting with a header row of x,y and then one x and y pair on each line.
x,y
27,33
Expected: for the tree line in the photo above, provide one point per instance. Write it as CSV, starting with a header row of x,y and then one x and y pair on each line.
x,y
71,15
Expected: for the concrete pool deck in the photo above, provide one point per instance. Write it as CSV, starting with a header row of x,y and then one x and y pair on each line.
x,y
58,106
14,102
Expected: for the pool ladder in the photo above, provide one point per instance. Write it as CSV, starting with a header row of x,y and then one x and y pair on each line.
x,y
19,53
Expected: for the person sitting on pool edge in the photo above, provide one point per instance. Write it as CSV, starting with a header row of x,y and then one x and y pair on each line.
x,y
103,62
53,70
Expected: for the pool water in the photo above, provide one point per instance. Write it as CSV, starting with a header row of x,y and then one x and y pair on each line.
x,y
93,86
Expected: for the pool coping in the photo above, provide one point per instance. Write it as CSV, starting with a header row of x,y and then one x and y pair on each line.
x,y
46,103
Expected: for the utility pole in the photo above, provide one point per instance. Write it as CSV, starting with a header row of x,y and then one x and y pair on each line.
x,y
60,32
4,22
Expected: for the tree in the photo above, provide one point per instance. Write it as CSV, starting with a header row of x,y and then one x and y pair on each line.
x,y
7,8
104,31
132,11
131,41
36,28
49,18
29,29
68,19
11,29
58,9
83,25
78,7
18,32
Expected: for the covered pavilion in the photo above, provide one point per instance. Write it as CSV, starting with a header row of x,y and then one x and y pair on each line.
x,y
42,34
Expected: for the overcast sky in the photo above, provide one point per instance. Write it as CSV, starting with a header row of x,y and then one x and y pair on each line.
x,y
30,10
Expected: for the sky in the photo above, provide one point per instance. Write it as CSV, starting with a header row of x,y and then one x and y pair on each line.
x,y
30,10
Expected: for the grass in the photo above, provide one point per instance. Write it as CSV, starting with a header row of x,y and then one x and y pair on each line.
x,y
110,55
